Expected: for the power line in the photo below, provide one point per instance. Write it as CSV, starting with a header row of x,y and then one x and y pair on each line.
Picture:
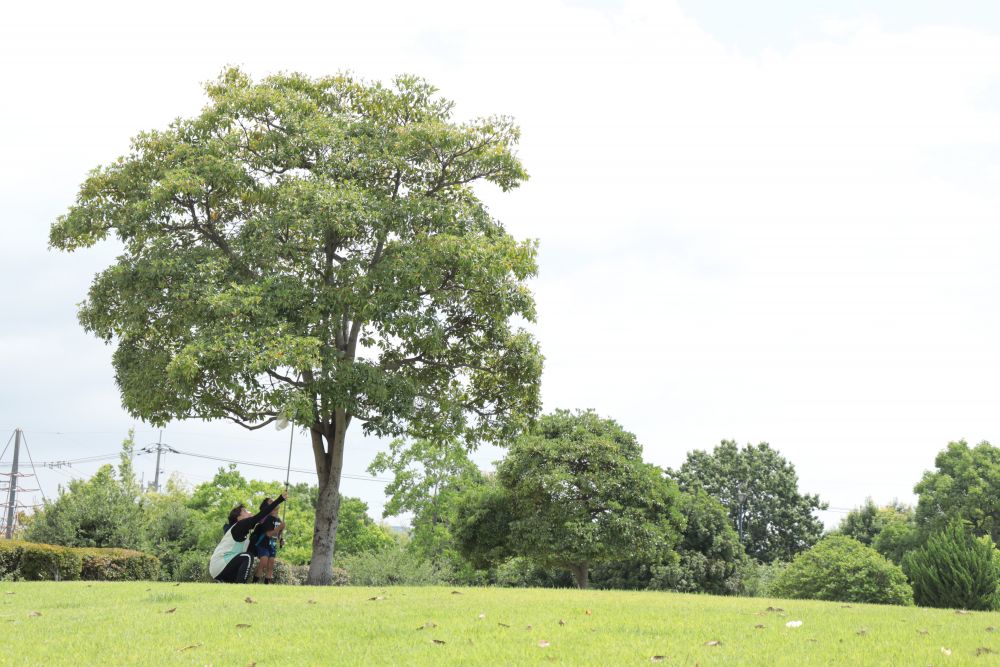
x,y
271,466
62,463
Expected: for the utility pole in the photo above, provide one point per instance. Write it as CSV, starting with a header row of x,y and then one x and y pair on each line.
x,y
159,450
12,496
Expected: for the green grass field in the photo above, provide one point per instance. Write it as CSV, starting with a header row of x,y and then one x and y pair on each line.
x,y
78,623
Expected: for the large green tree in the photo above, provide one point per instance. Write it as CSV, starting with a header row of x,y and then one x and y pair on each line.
x,y
574,492
965,486
313,248
760,490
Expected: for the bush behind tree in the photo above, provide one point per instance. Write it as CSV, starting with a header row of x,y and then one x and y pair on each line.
x,y
392,567
757,580
841,568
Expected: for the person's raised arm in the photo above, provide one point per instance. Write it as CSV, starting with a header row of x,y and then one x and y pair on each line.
x,y
242,528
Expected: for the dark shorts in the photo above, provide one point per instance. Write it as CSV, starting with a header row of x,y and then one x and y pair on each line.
x,y
265,550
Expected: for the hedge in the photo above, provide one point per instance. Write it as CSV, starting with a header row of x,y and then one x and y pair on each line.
x,y
118,565
10,558
46,562
37,562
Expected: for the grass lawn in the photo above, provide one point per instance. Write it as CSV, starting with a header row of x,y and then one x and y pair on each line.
x,y
78,623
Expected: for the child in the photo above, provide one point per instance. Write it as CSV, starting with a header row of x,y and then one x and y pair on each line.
x,y
264,543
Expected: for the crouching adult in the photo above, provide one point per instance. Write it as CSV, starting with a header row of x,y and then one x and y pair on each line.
x,y
230,562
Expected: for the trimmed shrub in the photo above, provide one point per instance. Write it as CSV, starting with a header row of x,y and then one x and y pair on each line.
x,y
841,568
10,559
192,566
288,574
955,570
117,565
45,562
340,576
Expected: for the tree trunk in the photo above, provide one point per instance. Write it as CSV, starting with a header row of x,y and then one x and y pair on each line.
x,y
329,454
581,573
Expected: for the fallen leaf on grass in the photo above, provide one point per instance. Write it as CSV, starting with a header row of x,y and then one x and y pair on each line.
x,y
658,658
528,628
946,651
438,641
543,644
922,631
861,632
562,622
250,600
310,601
428,625
243,625
188,648
760,626
714,642
991,629
456,592
793,624
589,613
32,614
251,664
170,611
503,625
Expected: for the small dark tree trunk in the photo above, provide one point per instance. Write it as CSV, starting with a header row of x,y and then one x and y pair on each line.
x,y
329,454
581,574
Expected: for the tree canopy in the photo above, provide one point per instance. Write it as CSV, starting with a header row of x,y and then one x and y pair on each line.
x,y
314,248
760,490
965,486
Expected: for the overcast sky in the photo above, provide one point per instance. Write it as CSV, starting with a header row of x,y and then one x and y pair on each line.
x,y
770,221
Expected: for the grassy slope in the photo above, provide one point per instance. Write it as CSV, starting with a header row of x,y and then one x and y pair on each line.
x,y
125,624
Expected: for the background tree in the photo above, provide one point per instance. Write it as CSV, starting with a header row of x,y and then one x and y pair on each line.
x,y
965,486
577,493
708,558
759,488
429,479
862,523
313,248
103,511
890,530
